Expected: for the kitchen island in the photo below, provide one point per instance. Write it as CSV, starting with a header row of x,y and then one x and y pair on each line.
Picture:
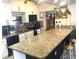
x,y
47,45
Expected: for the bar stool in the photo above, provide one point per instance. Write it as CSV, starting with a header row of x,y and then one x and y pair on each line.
x,y
74,45
73,41
70,49
65,50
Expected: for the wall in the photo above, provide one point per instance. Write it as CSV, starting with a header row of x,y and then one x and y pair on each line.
x,y
66,22
71,20
7,16
73,13
29,8
43,8
19,6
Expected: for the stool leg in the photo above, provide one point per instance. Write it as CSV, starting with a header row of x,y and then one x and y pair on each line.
x,y
63,55
70,53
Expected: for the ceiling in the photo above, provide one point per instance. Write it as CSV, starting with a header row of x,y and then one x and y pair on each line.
x,y
46,1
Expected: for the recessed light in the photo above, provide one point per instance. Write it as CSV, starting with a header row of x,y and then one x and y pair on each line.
x,y
62,3
55,1
40,0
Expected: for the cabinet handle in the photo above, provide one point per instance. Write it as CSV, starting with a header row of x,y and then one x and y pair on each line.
x,y
64,42
55,53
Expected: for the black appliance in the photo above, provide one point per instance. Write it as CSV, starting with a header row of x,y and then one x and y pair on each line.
x,y
18,21
32,18
19,18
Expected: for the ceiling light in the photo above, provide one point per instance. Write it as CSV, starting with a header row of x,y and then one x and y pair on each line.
x,y
62,3
25,1
41,1
55,1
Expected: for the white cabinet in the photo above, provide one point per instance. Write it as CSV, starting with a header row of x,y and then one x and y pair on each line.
x,y
18,55
4,48
29,34
21,37
40,30
25,36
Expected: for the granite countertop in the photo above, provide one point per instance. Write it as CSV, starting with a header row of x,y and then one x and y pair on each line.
x,y
41,45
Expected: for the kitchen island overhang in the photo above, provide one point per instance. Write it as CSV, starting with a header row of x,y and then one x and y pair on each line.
x,y
43,44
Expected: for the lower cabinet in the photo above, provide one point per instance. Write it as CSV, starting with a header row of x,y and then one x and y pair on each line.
x,y
57,52
66,40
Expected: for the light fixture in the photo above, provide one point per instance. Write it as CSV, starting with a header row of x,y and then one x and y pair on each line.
x,y
62,3
41,1
55,1
25,1
68,11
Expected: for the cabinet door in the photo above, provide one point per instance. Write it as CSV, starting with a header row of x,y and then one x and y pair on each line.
x,y
52,55
59,50
4,49
66,40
